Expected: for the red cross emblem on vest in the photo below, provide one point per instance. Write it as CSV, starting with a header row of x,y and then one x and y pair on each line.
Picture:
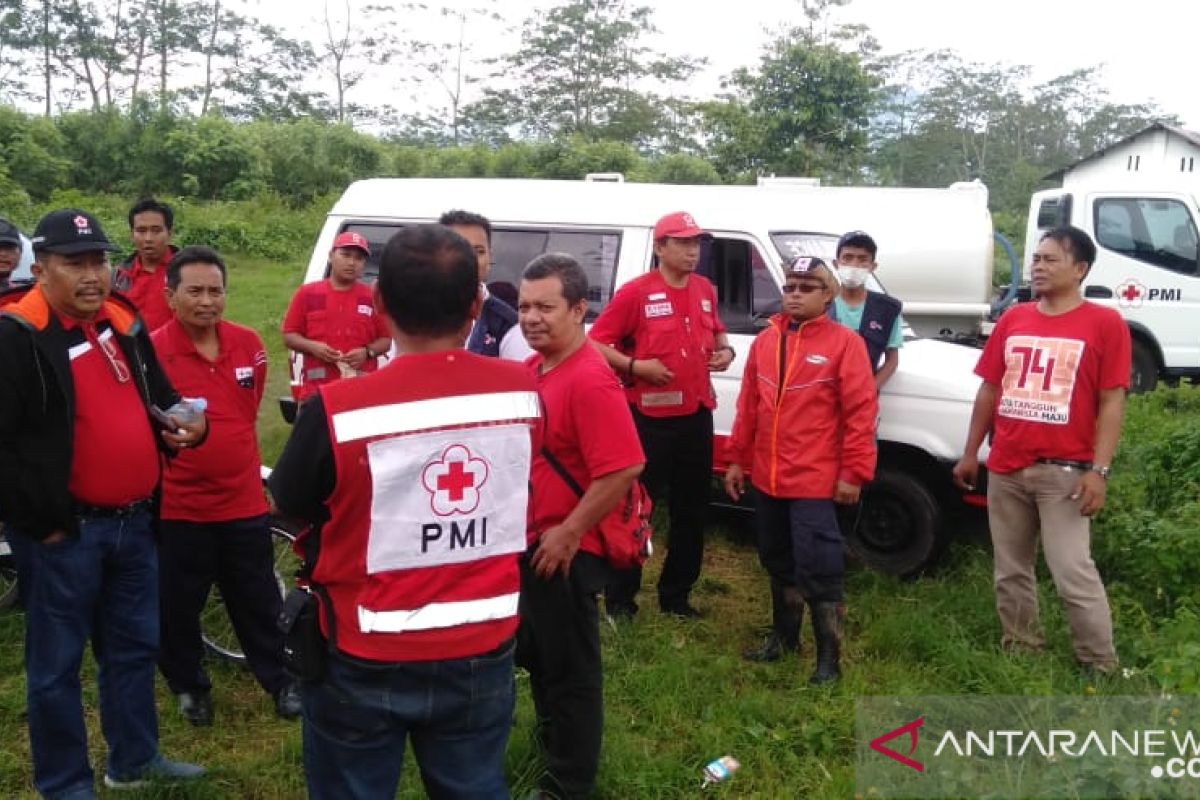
x,y
454,480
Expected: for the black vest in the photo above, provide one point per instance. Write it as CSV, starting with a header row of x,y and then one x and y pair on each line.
x,y
879,315
496,318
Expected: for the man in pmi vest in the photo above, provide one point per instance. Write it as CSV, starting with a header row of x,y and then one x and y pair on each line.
x,y
875,315
415,478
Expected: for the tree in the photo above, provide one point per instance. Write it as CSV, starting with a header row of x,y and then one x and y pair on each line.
x,y
363,37
576,74
804,111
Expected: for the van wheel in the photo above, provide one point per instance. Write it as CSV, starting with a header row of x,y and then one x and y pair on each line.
x,y
897,527
1143,369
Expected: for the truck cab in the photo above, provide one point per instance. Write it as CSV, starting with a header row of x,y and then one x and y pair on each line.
x,y
1147,266
902,525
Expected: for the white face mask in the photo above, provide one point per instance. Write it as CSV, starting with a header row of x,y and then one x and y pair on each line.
x,y
853,277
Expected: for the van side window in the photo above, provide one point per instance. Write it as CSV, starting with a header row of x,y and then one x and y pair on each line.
x,y
746,290
377,236
1159,232
596,252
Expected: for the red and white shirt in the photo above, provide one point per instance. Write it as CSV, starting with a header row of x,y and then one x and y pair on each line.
x,y
1050,371
220,481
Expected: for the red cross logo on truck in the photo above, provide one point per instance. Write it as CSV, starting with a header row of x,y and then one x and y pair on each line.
x,y
454,480
1130,294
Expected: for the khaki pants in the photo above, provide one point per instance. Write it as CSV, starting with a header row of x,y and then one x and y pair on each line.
x,y
1021,505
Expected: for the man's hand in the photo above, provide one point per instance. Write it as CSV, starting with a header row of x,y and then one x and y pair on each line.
x,y
55,537
324,352
735,482
1090,493
555,549
846,494
720,360
356,357
653,371
182,436
966,472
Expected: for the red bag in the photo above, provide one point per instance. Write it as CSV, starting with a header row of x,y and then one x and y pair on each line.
x,y
625,532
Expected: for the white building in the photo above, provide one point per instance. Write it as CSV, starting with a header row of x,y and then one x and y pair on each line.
x,y
1161,154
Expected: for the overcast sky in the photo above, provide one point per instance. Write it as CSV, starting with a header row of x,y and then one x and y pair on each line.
x,y
1148,48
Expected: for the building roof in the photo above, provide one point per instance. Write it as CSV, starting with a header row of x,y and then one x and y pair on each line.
x,y
1183,133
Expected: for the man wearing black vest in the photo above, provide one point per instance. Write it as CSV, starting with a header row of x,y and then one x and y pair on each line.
x,y
875,315
495,333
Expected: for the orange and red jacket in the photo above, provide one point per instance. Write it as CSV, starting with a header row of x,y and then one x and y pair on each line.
x,y
806,411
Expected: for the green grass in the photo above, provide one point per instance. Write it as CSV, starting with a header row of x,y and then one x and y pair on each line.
x,y
677,693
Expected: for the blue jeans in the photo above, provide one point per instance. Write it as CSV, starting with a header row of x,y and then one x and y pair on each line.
x,y
458,714
101,585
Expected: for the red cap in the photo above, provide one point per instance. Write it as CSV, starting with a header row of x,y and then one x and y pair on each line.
x,y
679,225
352,239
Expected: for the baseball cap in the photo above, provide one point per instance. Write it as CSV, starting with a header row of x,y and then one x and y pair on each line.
x,y
9,233
677,225
805,266
858,239
352,239
69,231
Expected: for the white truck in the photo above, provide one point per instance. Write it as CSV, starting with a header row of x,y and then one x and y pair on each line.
x,y
935,243
1147,263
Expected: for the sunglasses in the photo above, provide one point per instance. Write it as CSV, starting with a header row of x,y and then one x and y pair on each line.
x,y
803,288
108,347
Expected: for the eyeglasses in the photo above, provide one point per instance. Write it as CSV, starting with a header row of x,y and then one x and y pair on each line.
x,y
803,288
109,348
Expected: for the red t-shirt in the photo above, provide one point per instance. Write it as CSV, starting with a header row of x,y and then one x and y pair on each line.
x,y
115,458
1050,371
219,481
677,326
588,429
343,320
147,291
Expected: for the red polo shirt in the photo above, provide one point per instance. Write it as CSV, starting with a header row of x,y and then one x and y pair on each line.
x,y
220,481
115,459
344,320
589,429
147,290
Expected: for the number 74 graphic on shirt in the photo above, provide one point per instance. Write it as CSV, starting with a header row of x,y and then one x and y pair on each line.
x,y
1039,378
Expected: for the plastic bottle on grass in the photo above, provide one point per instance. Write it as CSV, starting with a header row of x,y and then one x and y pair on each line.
x,y
719,770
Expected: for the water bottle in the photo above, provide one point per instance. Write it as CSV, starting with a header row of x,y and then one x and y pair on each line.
x,y
719,770
188,410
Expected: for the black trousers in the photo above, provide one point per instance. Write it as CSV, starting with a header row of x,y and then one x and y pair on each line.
x,y
800,544
559,643
679,462
239,558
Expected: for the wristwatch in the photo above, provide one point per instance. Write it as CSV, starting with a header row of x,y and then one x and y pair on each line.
x,y
370,352
732,352
1103,472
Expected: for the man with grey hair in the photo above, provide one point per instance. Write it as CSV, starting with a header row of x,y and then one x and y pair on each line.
x,y
589,460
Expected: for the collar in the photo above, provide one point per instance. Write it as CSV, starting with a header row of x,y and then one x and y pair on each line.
x,y
179,343
138,268
34,311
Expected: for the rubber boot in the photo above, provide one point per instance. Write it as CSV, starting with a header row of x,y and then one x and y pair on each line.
x,y
787,612
827,630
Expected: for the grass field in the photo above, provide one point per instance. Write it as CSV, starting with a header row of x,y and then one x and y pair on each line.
x,y
678,694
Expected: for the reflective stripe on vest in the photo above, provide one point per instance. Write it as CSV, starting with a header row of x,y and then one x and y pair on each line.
x,y
438,615
442,412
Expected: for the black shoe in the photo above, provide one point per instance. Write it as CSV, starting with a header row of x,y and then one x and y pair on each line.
x,y
772,649
683,610
196,707
159,770
287,702
620,612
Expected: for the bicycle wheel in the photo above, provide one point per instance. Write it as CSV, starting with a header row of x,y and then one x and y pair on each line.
x,y
8,573
216,629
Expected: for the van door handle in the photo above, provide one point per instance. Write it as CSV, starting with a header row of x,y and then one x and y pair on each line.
x,y
1098,291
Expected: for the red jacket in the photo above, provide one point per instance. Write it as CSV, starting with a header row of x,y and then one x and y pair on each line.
x,y
806,411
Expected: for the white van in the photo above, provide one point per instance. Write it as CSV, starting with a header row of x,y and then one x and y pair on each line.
x,y
1147,264
925,407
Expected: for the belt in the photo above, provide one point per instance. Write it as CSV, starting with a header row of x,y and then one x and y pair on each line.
x,y
1066,462
110,512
